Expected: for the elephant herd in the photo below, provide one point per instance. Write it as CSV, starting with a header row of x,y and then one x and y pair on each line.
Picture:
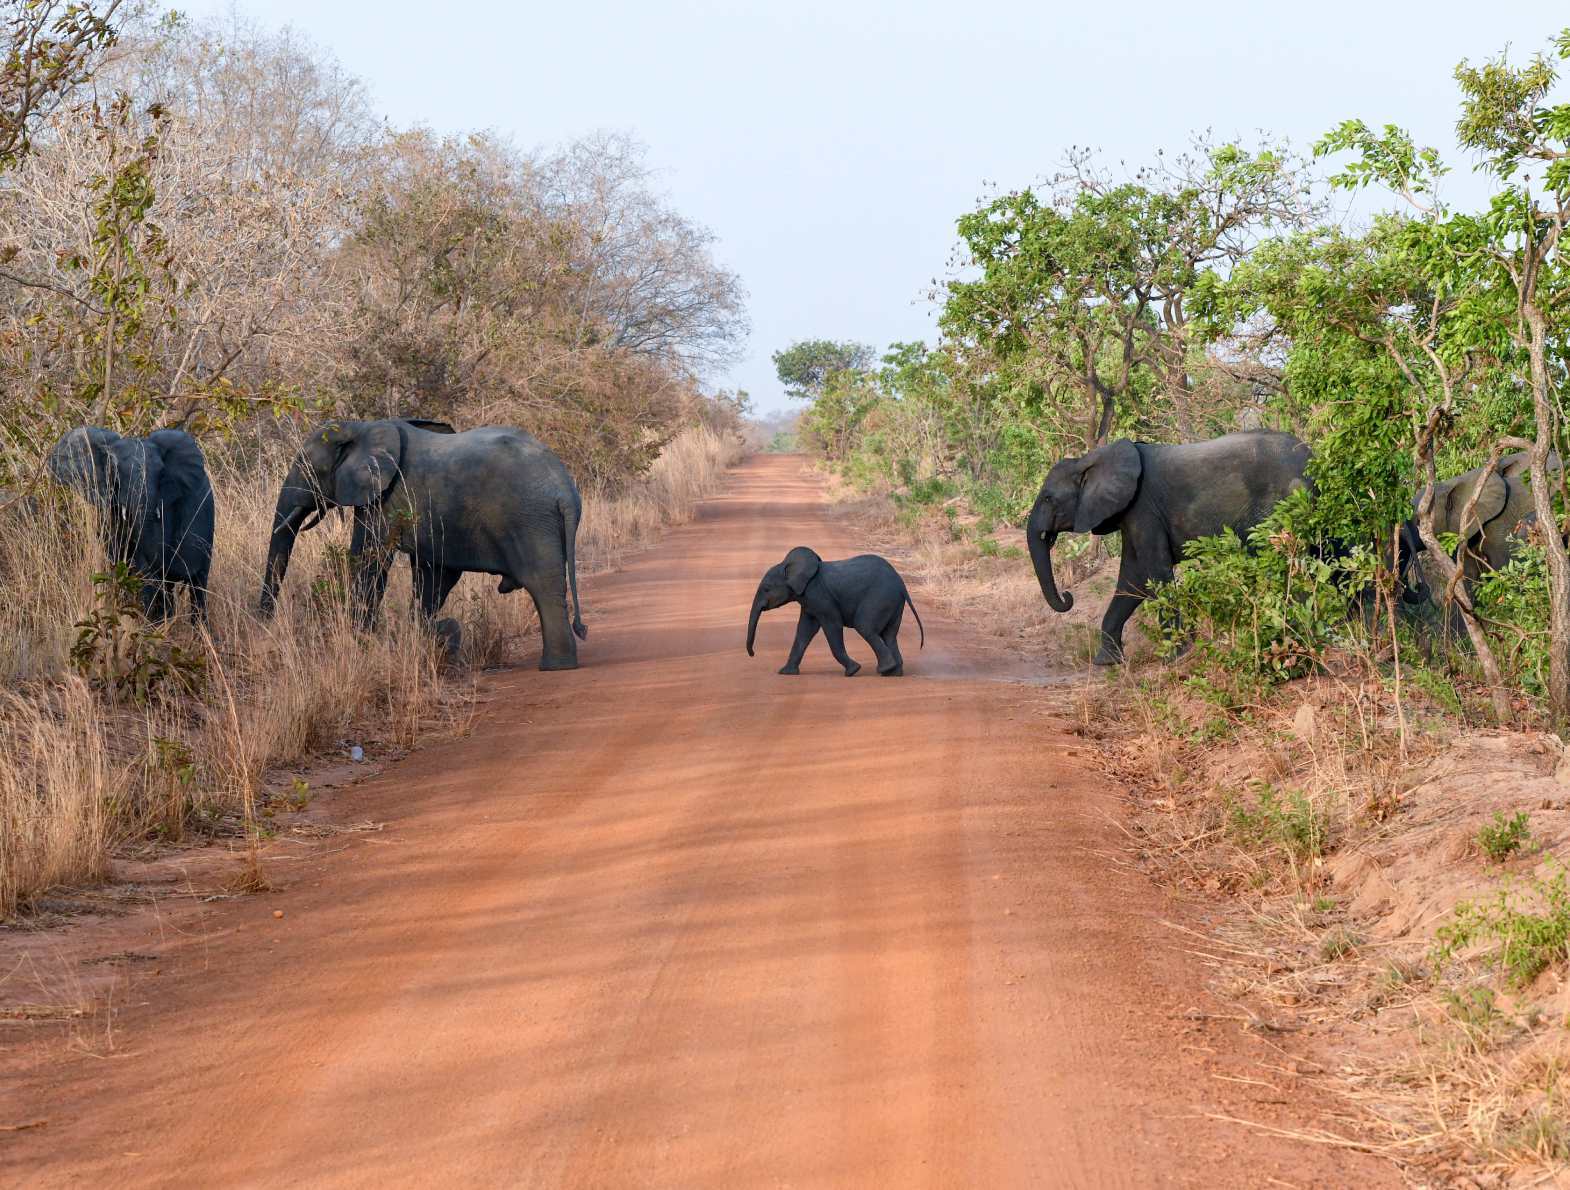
x,y
1161,497
496,501
491,500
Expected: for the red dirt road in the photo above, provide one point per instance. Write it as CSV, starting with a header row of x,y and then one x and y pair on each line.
x,y
674,920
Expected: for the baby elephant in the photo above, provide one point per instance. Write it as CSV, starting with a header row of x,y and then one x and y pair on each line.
x,y
864,592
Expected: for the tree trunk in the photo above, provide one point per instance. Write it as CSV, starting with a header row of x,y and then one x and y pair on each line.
x,y
1552,538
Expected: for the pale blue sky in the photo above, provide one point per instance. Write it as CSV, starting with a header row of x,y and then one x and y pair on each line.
x,y
831,146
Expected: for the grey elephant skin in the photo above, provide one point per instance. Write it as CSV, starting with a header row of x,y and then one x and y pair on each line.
x,y
1488,536
1160,498
492,500
865,592
155,504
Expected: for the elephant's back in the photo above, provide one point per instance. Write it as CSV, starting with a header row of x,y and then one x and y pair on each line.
x,y
507,442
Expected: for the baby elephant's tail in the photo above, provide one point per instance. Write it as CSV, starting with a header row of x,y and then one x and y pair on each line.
x,y
919,624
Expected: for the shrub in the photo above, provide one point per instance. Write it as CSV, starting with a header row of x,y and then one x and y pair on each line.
x,y
1270,608
1527,934
1504,836
1275,820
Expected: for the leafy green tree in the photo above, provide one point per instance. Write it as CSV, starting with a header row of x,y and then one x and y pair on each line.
x,y
837,380
1083,290
1494,286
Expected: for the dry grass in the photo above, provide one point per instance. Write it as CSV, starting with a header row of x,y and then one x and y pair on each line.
x,y
85,772
1337,887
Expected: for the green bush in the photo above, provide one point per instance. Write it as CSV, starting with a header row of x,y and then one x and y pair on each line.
x,y
1503,837
1271,608
1526,940
1273,819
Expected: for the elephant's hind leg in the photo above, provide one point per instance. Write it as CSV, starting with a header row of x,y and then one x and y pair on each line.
x,y
891,641
549,593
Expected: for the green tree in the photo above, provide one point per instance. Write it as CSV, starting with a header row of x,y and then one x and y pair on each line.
x,y
1494,293
1083,289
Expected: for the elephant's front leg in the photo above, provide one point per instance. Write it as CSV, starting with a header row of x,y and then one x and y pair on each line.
x,y
157,597
806,629
1135,579
370,557
834,633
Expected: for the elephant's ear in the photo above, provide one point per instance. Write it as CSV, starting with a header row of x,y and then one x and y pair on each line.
x,y
1490,503
183,464
137,468
370,465
1110,479
800,565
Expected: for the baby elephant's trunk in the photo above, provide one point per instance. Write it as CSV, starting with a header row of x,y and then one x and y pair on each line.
x,y
752,620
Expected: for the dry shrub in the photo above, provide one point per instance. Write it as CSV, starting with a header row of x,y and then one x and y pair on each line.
x,y
86,772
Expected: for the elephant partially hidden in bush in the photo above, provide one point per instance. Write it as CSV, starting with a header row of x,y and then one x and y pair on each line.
x,y
1488,537
492,500
1160,498
155,505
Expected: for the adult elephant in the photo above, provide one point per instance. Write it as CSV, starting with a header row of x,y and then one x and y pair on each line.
x,y
492,500
1488,532
1160,498
155,505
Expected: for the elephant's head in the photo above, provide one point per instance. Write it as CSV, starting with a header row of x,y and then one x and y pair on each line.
x,y
119,476
781,583
1451,497
342,464
1088,494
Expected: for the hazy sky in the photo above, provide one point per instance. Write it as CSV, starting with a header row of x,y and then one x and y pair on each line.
x,y
831,146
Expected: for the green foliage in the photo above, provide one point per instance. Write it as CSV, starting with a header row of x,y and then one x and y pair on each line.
x,y
124,655
808,366
1339,943
48,48
1270,609
1503,837
1527,933
1514,601
1275,820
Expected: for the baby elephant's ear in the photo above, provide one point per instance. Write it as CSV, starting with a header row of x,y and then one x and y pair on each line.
x,y
800,565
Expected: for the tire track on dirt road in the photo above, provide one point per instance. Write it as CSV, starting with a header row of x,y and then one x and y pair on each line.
x,y
674,920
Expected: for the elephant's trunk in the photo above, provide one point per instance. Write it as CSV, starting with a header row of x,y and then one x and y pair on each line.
x,y
752,621
295,503
1041,539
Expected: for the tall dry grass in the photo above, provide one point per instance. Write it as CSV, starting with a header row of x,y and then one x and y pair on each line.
x,y
83,771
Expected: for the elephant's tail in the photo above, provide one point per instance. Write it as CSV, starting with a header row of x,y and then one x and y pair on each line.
x,y
919,626
569,509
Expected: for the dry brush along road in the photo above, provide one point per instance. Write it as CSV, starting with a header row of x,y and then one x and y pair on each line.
x,y
675,920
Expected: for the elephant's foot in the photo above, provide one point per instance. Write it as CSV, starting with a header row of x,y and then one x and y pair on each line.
x,y
1106,655
894,671
853,669
549,664
788,669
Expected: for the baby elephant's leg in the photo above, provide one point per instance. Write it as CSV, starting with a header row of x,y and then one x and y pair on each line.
x,y
806,629
835,635
888,659
891,640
